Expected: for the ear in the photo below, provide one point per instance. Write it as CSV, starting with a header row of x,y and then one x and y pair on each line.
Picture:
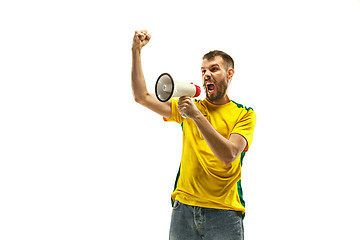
x,y
230,73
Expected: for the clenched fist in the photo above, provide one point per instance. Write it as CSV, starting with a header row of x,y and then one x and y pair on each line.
x,y
141,38
187,108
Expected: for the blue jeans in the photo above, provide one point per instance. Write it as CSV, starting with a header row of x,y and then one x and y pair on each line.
x,y
197,223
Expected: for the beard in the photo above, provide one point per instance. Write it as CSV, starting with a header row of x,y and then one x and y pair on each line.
x,y
220,87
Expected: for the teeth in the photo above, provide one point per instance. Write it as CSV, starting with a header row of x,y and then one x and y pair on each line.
x,y
207,86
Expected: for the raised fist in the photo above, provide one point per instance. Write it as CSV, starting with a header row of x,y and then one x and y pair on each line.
x,y
141,38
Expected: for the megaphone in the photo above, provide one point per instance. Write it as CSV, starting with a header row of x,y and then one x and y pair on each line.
x,y
166,88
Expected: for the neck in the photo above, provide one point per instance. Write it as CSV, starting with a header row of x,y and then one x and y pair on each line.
x,y
225,99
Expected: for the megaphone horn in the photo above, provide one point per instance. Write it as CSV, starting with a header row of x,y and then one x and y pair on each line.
x,y
166,88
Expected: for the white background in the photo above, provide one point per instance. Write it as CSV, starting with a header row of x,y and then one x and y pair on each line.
x,y
81,160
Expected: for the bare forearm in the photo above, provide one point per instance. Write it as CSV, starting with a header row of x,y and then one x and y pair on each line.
x,y
138,83
227,150
223,148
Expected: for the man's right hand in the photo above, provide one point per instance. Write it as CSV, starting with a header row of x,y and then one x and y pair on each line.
x,y
141,38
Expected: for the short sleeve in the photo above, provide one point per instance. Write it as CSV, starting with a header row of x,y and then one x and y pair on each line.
x,y
245,127
175,115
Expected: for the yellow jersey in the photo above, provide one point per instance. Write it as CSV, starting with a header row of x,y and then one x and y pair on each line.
x,y
203,180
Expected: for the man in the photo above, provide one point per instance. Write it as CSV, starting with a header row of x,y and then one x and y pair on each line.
x,y
217,132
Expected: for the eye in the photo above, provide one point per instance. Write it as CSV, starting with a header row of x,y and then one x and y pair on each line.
x,y
213,69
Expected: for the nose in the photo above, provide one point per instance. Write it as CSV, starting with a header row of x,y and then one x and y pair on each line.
x,y
207,75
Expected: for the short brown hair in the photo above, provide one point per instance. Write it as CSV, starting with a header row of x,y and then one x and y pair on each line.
x,y
226,57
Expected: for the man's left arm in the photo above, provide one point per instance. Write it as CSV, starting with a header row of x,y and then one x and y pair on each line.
x,y
227,150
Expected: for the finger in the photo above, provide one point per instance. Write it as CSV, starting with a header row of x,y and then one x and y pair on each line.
x,y
182,100
137,33
137,37
140,34
182,107
141,31
185,99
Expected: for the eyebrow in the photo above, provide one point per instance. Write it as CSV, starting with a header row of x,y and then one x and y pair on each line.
x,y
217,65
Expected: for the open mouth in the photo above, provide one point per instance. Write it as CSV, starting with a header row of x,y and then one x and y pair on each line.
x,y
210,87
